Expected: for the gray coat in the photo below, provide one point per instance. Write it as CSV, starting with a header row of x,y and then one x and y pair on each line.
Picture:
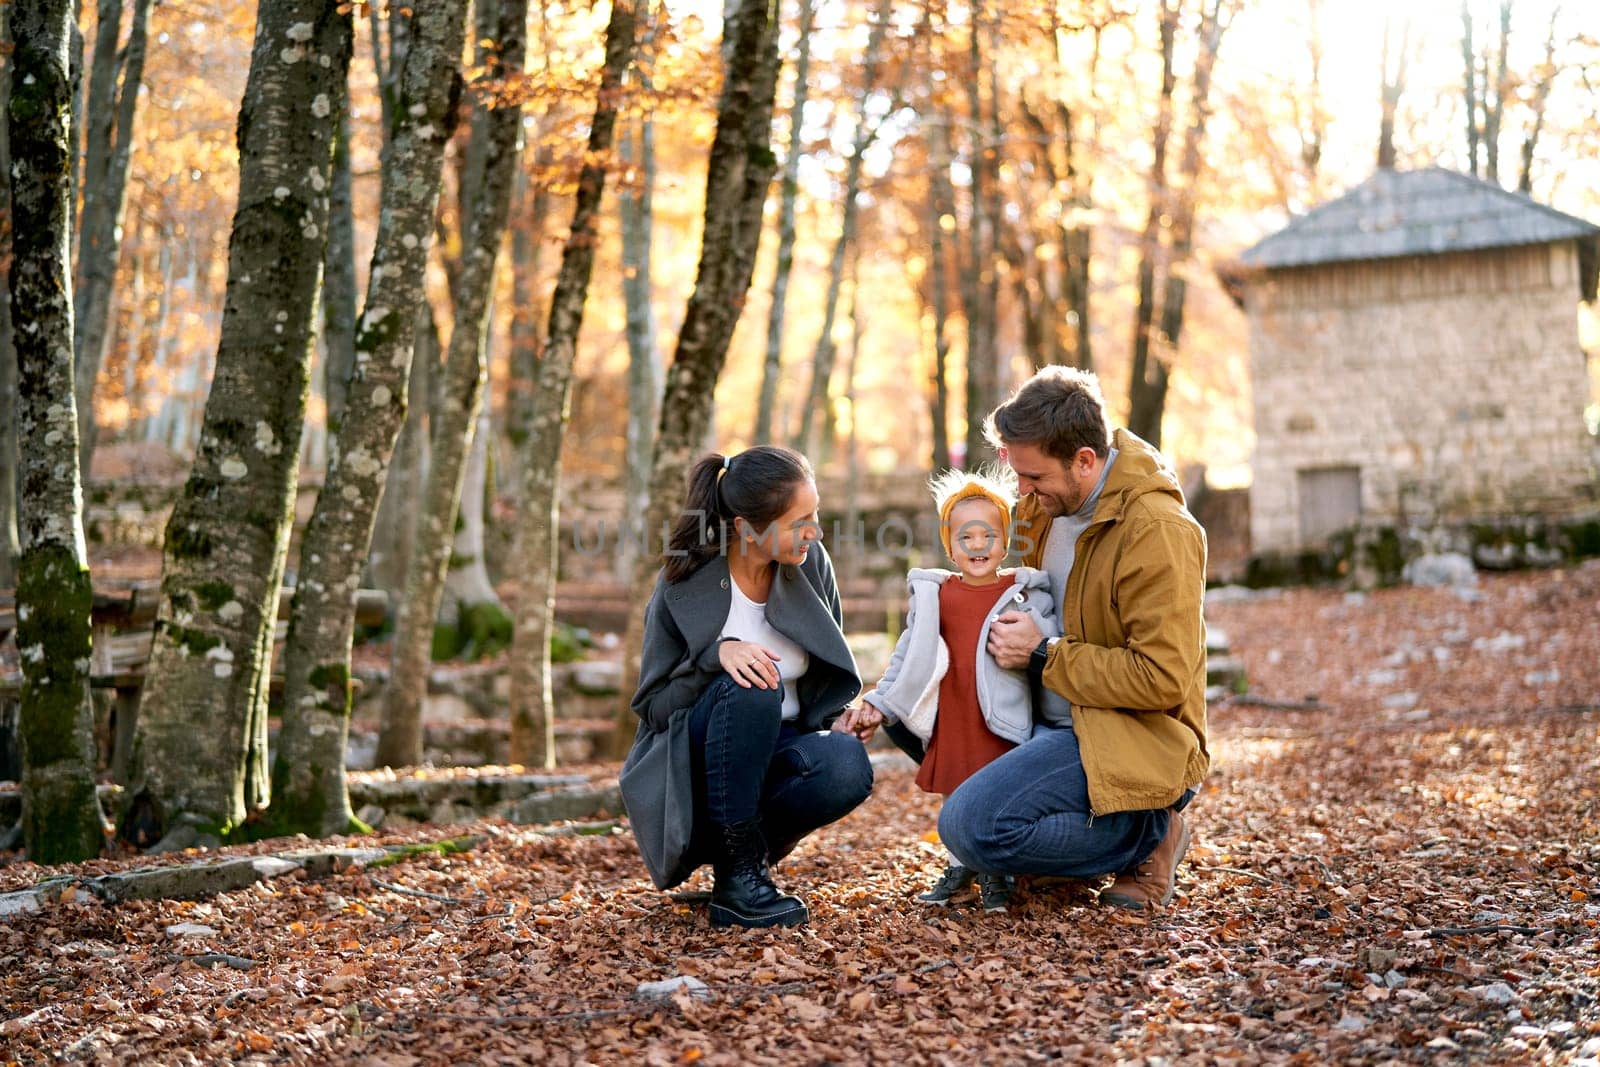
x,y
909,689
682,627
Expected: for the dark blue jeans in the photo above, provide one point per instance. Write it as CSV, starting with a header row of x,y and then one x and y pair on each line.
x,y
749,763
1028,813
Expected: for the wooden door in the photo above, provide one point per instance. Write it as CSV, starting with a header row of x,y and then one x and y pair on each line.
x,y
1330,500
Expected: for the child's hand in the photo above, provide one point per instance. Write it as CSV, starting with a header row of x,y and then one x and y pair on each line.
x,y
868,719
750,664
862,720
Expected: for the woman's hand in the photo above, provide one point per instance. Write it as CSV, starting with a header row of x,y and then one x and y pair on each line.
x,y
750,664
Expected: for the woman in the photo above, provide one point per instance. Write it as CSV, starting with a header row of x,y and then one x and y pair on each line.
x,y
744,670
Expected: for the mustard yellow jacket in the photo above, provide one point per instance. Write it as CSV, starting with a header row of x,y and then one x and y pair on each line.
x,y
1132,658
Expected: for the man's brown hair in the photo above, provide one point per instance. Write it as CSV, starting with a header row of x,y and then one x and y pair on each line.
x,y
1059,409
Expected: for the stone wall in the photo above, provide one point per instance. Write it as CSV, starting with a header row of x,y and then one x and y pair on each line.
x,y
1455,383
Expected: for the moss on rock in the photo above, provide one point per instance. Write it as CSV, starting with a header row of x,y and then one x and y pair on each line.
x,y
480,631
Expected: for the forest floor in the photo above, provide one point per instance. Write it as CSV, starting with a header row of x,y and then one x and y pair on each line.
x,y
1404,870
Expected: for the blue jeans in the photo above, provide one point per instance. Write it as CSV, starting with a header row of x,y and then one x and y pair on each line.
x,y
750,764
1028,813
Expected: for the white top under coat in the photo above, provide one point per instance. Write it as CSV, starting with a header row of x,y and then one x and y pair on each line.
x,y
747,621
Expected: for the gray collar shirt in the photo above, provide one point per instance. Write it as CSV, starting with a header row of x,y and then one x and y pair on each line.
x,y
1061,544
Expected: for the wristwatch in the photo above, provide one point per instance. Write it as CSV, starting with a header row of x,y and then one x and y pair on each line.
x,y
1039,656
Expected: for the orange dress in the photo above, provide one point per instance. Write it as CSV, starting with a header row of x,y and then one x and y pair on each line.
x,y
961,742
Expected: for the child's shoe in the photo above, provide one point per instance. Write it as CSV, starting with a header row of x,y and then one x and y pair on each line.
x,y
955,880
994,891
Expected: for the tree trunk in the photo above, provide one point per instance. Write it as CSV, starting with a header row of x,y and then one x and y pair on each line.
x,y
737,177
1149,402
472,621
1494,112
1079,251
10,546
818,402
851,562
308,774
200,752
1077,247
1394,87
112,110
530,219
1000,373
75,127
339,277
941,206
134,332
1541,97
151,372
537,544
1143,419
1075,229
530,211
772,368
1314,131
978,273
1469,59
644,355
395,534
60,813
1039,293
531,200
496,132
93,133
179,376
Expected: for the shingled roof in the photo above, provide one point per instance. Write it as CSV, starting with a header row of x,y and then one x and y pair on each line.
x,y
1422,212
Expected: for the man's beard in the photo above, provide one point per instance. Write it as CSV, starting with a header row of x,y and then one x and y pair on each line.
x,y
1058,507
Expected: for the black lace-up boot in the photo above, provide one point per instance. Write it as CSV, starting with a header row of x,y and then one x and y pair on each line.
x,y
744,894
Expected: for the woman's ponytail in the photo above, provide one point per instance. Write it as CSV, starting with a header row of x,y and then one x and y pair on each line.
x,y
700,531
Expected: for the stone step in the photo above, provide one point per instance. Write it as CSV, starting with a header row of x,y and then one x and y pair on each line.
x,y
484,742
442,797
1227,672
197,881
587,689
446,799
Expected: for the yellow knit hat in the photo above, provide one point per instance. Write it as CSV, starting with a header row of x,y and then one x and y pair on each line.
x,y
952,487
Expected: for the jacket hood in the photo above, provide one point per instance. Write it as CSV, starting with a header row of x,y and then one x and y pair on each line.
x,y
1139,469
936,575
1030,578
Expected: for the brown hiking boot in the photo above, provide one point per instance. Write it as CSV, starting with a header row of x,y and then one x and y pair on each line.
x,y
1150,884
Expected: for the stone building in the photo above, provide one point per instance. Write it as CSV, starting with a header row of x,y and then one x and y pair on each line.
x,y
1415,359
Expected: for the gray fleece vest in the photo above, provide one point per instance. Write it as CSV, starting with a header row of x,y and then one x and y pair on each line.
x,y
909,689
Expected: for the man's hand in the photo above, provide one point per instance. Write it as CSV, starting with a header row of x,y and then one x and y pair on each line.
x,y
1012,639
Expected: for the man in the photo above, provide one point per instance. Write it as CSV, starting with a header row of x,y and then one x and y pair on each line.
x,y
1100,791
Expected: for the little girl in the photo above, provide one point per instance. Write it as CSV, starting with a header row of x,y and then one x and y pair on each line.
x,y
943,698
